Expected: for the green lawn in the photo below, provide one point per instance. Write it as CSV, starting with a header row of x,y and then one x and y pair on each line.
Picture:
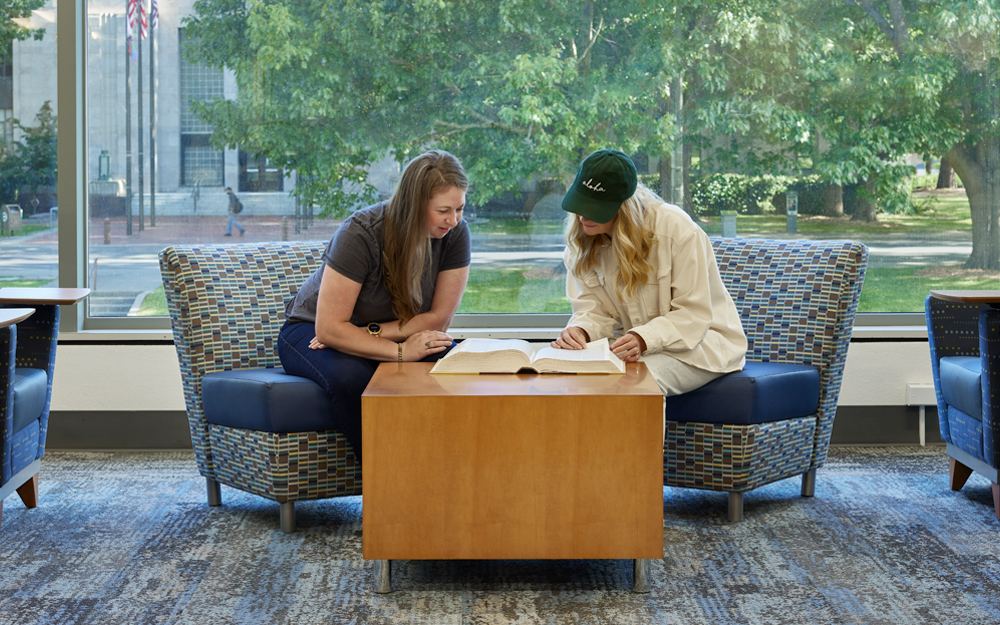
x,y
933,213
5,282
32,229
154,304
514,291
904,289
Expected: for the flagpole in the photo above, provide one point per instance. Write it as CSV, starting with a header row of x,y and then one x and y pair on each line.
x,y
128,129
152,119
142,218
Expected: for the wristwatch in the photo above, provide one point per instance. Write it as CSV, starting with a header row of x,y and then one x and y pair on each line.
x,y
374,329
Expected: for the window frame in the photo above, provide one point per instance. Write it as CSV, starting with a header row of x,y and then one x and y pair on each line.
x,y
71,68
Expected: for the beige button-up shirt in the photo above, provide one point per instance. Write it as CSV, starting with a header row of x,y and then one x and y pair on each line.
x,y
683,310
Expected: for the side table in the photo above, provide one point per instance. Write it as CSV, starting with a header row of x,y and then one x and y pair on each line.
x,y
511,466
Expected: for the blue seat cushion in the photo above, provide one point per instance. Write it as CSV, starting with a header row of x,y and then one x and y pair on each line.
x,y
266,400
761,393
31,387
962,384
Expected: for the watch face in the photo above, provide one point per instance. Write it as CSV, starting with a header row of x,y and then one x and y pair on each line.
x,y
374,328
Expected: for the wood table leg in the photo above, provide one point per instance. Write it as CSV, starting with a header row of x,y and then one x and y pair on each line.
x,y
29,492
959,474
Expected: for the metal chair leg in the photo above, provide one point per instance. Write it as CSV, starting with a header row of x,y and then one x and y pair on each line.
x,y
288,517
383,576
809,483
640,575
214,492
735,507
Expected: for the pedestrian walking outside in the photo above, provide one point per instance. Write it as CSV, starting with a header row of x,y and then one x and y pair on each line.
x,y
235,207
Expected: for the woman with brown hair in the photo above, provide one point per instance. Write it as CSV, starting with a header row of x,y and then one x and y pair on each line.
x,y
643,275
392,278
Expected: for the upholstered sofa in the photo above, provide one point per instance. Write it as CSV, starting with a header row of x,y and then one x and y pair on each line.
x,y
797,301
253,427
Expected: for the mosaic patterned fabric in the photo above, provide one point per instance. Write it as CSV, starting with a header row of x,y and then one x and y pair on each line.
x,y
736,458
285,467
8,343
128,539
953,329
227,305
36,349
797,300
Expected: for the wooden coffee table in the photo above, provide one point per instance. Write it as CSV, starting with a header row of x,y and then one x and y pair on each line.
x,y
507,466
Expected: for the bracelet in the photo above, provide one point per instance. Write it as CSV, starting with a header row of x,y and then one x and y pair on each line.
x,y
400,352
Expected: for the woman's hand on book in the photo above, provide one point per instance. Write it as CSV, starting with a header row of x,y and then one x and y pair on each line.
x,y
571,338
422,344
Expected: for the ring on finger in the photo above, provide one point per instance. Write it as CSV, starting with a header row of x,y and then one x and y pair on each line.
x,y
427,344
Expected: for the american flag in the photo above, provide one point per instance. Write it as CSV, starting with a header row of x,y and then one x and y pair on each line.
x,y
154,15
142,19
130,17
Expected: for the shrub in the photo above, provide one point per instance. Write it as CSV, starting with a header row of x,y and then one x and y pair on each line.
x,y
747,195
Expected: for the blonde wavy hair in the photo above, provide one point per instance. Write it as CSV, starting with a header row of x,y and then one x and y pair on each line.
x,y
406,248
631,242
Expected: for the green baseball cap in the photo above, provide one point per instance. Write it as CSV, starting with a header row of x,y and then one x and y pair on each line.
x,y
605,180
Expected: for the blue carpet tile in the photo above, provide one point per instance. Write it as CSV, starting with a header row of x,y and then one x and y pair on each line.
x,y
123,538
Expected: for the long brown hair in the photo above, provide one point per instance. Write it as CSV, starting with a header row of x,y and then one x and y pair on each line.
x,y
631,243
406,250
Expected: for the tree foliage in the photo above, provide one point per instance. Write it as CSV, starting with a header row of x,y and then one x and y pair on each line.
x,y
516,88
10,30
30,162
523,89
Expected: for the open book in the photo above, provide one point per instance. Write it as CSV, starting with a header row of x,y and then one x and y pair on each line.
x,y
512,355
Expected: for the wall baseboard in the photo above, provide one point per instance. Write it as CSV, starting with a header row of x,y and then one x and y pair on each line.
x,y
118,429
168,429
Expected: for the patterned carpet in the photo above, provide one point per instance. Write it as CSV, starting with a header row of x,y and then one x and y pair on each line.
x,y
122,538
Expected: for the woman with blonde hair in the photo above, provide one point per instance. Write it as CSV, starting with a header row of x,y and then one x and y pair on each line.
x,y
643,275
392,278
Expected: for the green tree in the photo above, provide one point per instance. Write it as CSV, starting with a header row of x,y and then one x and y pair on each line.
x,y
940,68
517,88
30,162
10,30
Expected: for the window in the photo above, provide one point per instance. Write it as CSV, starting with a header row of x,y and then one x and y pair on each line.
x,y
760,108
29,243
201,164
257,174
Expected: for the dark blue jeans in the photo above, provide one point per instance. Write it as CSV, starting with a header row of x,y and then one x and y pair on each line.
x,y
343,377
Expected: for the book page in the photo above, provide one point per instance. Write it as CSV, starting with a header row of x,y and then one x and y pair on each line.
x,y
596,358
595,350
493,345
486,356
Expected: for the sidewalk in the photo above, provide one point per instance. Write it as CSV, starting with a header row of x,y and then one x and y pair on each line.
x,y
196,229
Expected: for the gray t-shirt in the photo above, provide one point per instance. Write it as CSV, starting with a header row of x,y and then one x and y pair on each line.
x,y
355,251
